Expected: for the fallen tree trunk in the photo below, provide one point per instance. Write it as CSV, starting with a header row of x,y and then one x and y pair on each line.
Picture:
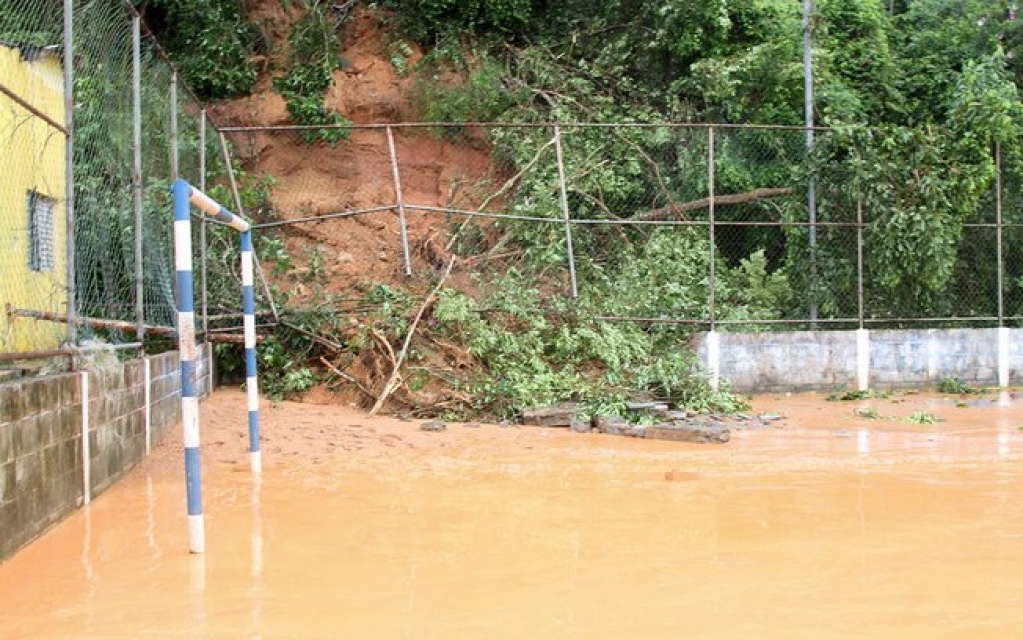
x,y
395,380
675,210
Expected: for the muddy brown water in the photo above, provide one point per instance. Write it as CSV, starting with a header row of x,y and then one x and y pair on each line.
x,y
822,525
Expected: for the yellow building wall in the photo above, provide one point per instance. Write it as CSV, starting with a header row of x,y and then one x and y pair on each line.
x,y
31,158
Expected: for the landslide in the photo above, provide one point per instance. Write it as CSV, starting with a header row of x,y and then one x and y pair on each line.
x,y
342,271
311,180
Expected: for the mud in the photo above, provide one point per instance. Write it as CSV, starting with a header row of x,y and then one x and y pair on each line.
x,y
822,524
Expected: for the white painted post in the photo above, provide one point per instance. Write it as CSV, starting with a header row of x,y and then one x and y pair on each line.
x,y
147,393
86,454
1003,357
863,359
714,358
251,375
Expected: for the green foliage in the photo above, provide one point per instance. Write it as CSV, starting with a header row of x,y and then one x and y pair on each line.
x,y
315,55
957,387
30,22
932,40
430,20
922,417
532,355
843,395
855,68
210,41
399,53
916,188
483,96
868,413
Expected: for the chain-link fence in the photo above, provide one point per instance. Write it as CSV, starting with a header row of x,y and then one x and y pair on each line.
x,y
134,127
33,201
712,226
735,226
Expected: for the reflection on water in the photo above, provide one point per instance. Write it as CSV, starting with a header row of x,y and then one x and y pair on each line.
x,y
828,526
862,441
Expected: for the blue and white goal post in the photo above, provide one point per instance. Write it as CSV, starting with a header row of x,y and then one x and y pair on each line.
x,y
185,195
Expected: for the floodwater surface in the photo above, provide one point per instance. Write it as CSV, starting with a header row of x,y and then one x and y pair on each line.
x,y
824,524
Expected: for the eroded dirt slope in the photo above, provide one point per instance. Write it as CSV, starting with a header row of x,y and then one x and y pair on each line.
x,y
312,180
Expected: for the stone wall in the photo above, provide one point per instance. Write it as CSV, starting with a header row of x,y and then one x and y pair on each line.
x,y
808,360
45,471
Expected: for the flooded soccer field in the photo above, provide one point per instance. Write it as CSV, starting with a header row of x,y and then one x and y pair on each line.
x,y
825,524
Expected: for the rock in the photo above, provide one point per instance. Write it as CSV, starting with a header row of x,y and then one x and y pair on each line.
x,y
434,426
634,431
685,432
559,415
672,416
611,425
581,426
770,417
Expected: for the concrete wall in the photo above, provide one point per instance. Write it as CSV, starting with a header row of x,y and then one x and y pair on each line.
x,y
43,463
806,360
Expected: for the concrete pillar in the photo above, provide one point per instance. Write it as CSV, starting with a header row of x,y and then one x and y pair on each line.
x,y
714,358
86,454
863,359
1003,357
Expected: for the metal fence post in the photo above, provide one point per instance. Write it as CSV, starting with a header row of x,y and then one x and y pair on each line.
x,y
860,310
713,338
712,275
862,333
174,125
400,200
136,115
811,191
241,211
202,228
564,211
999,229
1003,331
69,169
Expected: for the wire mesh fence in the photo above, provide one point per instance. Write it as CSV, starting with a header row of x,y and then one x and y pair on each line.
x,y
133,129
33,201
777,236
712,226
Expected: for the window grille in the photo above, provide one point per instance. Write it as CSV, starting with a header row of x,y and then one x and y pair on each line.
x,y
42,250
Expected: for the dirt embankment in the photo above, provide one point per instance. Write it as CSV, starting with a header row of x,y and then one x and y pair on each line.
x,y
316,179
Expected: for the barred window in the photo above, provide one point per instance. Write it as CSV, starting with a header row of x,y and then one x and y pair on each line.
x,y
42,232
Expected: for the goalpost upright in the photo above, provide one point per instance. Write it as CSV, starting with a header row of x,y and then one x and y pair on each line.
x,y
185,195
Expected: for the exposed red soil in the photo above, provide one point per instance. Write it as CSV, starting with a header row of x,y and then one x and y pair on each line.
x,y
316,179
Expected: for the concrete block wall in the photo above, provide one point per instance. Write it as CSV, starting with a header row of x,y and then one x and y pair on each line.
x,y
818,360
784,361
40,457
908,358
47,470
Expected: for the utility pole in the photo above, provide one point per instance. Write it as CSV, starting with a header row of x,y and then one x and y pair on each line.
x,y
811,195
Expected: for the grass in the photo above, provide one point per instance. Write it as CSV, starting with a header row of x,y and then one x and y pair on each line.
x,y
869,413
922,417
957,387
842,395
